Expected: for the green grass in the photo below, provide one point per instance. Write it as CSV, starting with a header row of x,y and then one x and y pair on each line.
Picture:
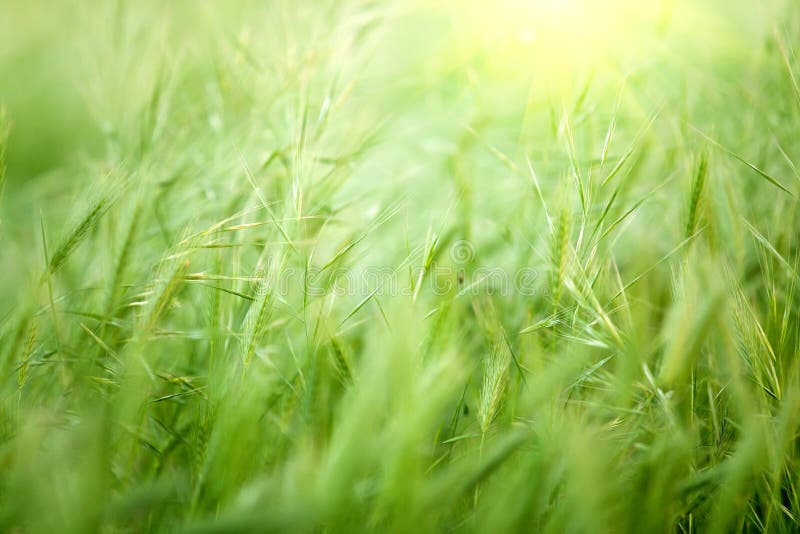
x,y
347,265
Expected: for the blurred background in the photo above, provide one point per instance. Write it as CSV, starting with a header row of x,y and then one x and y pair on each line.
x,y
83,82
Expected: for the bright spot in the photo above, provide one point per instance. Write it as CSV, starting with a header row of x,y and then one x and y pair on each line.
x,y
557,36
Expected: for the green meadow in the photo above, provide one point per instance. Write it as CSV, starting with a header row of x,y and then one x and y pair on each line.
x,y
399,266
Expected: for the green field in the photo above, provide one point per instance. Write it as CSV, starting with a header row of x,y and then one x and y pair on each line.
x,y
400,266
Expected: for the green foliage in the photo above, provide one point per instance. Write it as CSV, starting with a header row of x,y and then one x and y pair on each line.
x,y
346,265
